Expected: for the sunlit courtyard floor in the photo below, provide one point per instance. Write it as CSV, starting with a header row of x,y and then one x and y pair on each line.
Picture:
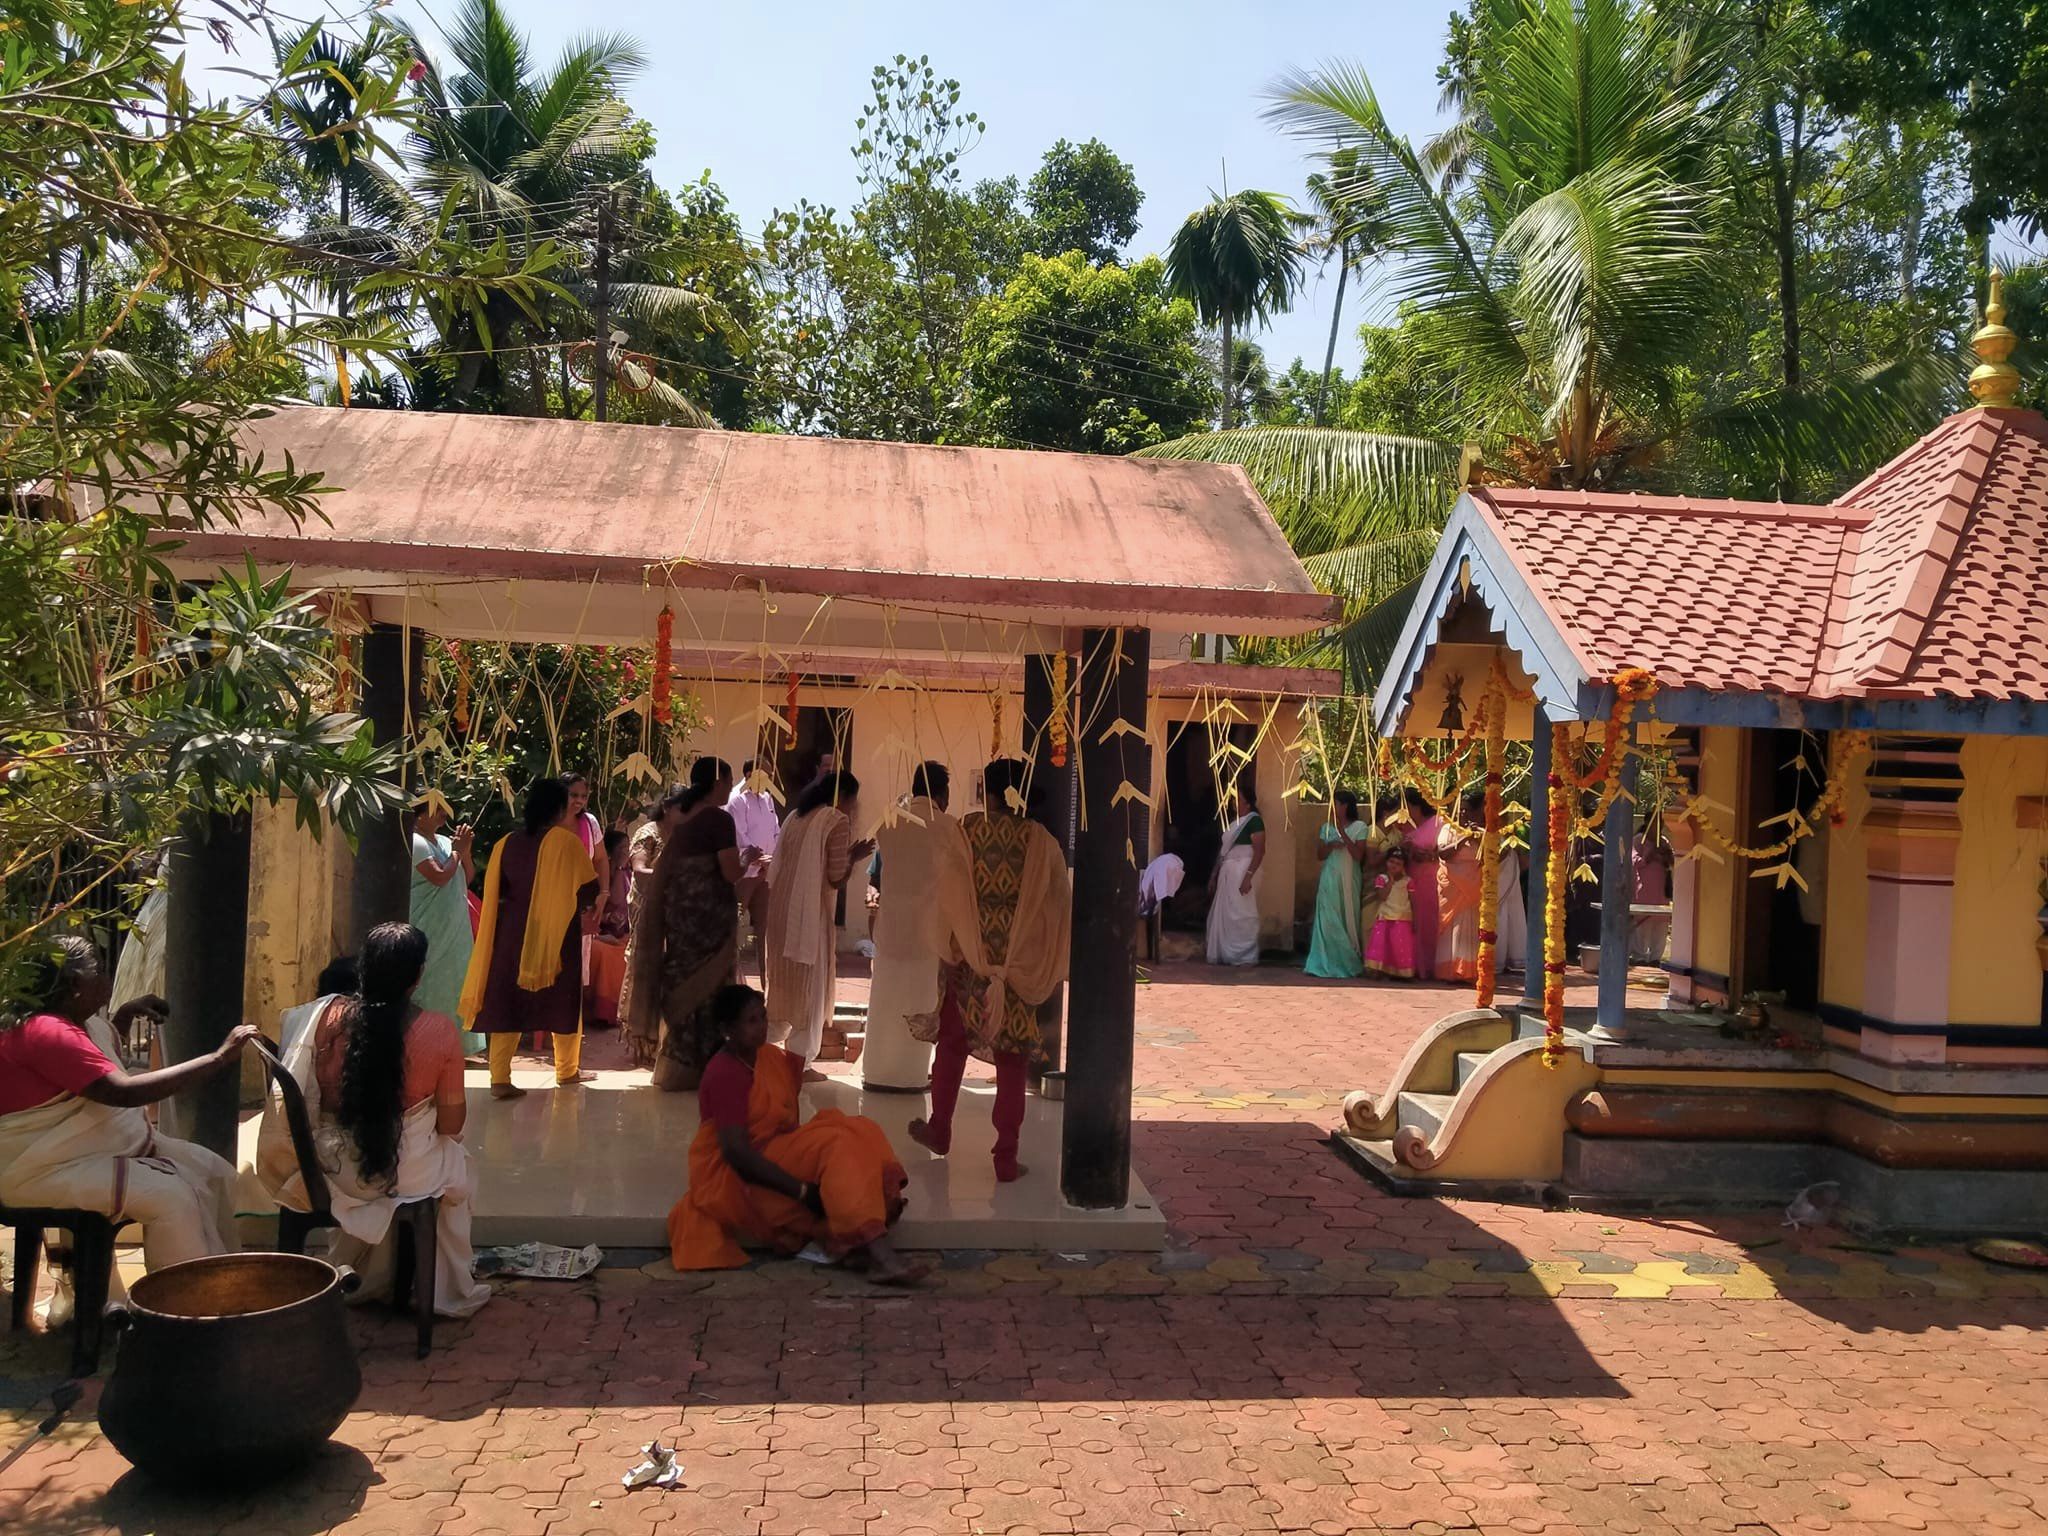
x,y
1308,1354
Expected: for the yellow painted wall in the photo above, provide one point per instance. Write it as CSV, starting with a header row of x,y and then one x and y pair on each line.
x,y
1994,973
1720,782
1848,916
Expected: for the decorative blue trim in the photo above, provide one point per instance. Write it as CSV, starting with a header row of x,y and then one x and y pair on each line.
x,y
1764,711
1515,609
2031,1036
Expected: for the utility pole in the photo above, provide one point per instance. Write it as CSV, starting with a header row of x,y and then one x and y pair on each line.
x,y
600,386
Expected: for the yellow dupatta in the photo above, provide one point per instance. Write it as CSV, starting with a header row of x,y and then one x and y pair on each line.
x,y
559,873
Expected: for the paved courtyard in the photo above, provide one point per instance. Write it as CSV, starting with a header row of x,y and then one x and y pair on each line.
x,y
1309,1355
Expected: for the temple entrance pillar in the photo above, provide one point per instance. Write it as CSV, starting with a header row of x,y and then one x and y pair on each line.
x,y
1911,832
1052,807
1539,858
206,947
1617,892
382,889
1113,751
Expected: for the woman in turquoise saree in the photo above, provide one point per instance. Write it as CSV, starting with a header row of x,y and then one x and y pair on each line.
x,y
1336,948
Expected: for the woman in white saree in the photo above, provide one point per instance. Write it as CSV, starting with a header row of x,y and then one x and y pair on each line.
x,y
382,1079
1234,885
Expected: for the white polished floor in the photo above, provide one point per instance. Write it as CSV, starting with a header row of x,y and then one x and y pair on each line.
x,y
602,1163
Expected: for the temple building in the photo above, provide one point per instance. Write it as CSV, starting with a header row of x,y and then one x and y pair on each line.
x,y
1839,715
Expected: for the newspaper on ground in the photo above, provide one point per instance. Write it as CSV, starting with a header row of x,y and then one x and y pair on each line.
x,y
538,1261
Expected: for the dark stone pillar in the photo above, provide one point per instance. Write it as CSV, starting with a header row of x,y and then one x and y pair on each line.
x,y
1539,857
1617,892
382,889
1052,807
206,946
1095,1160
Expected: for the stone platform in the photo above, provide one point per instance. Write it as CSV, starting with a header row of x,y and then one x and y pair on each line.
x,y
604,1162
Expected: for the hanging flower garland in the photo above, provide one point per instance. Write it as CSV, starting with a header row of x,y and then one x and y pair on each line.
x,y
1489,844
1850,749
789,704
1057,725
1556,860
1632,686
461,659
995,734
145,645
660,684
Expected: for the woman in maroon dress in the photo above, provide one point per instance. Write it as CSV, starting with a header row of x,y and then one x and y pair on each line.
x,y
526,972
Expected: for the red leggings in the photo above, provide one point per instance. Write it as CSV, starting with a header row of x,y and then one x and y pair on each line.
x,y
949,1063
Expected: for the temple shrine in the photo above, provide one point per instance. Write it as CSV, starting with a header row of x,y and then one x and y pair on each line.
x,y
1837,716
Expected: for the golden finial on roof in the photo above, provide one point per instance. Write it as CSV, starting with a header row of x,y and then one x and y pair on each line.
x,y
1994,381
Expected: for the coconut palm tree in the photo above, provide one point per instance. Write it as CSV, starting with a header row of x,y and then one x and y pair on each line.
x,y
1344,228
1565,282
1236,260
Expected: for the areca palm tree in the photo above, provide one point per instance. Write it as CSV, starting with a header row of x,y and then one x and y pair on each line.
x,y
1236,260
1565,280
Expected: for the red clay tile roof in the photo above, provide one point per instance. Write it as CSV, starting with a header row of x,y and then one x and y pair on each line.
x,y
1930,579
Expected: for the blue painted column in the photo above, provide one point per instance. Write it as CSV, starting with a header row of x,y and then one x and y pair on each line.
x,y
1539,857
1617,890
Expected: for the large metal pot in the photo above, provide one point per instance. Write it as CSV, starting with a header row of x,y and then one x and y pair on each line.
x,y
231,1369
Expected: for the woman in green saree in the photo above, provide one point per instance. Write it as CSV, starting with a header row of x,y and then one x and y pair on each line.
x,y
1336,950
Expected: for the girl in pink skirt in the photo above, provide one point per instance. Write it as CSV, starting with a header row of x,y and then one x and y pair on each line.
x,y
1391,951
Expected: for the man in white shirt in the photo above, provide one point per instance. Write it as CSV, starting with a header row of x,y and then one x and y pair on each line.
x,y
754,818
753,812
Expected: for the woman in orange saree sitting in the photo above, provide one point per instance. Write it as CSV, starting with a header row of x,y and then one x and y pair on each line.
x,y
757,1175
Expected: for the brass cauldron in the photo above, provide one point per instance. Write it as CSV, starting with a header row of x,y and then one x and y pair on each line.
x,y
231,1369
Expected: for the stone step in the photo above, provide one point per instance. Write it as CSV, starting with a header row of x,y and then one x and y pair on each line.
x,y
1468,1063
1425,1112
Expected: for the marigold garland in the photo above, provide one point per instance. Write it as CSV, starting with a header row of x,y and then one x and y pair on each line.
x,y
661,682
1632,686
1555,868
1850,748
461,659
1057,725
789,704
145,643
995,732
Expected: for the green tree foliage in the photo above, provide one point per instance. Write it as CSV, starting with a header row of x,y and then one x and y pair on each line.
x,y
1082,198
1237,261
139,259
1982,68
1091,358
1563,266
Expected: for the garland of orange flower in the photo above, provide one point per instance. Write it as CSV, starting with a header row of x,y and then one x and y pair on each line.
x,y
145,643
1632,686
1850,749
789,704
659,685
1489,843
1058,724
1555,868
995,730
461,659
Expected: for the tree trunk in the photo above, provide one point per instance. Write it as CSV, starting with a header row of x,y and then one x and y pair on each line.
x,y
1336,318
1228,411
1785,235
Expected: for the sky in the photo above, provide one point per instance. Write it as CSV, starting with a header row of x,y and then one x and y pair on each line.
x,y
765,96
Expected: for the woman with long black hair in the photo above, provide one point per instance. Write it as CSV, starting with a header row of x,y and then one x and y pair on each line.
x,y
526,969
383,1081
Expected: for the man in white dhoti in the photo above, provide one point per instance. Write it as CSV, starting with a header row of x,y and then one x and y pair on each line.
x,y
72,1128
906,982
